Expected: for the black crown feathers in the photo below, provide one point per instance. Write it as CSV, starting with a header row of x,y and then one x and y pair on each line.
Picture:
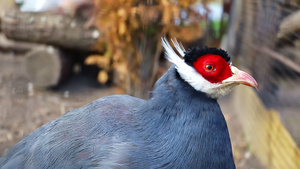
x,y
193,54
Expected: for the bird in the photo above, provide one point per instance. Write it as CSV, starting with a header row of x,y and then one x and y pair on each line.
x,y
179,126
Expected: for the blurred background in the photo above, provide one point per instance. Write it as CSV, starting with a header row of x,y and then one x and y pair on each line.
x,y
58,55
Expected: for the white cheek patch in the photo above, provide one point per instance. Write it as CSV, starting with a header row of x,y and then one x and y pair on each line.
x,y
189,74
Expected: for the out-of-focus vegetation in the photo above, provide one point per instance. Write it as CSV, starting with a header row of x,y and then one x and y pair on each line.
x,y
131,32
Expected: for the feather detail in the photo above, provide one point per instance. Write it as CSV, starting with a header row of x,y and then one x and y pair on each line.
x,y
170,54
182,68
180,49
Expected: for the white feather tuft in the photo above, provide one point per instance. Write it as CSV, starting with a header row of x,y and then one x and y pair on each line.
x,y
170,54
180,49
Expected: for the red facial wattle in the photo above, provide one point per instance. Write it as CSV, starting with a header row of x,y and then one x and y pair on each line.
x,y
213,68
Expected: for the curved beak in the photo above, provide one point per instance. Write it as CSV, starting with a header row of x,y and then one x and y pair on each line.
x,y
241,77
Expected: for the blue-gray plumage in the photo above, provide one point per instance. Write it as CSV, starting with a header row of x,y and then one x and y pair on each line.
x,y
180,126
173,129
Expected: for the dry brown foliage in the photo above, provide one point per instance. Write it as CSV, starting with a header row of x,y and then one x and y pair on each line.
x,y
131,32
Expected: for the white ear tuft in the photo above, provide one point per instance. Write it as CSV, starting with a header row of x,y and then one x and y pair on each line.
x,y
180,49
170,54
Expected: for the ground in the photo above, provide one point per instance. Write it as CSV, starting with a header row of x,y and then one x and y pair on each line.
x,y
24,108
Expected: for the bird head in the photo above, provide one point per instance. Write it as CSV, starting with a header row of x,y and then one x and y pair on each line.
x,y
208,70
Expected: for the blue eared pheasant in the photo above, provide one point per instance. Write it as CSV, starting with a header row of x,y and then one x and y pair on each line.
x,y
179,126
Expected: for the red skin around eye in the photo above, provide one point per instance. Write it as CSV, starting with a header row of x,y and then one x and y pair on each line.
x,y
221,68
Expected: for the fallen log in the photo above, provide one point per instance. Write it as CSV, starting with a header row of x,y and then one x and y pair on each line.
x,y
15,46
47,66
49,28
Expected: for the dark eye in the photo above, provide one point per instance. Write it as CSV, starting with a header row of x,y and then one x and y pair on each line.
x,y
209,67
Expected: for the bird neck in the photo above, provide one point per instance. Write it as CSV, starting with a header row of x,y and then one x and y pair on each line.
x,y
172,94
191,125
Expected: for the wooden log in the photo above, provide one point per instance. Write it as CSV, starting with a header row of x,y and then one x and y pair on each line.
x,y
49,28
15,46
47,66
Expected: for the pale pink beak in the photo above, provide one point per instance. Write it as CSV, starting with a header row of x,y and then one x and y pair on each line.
x,y
241,77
